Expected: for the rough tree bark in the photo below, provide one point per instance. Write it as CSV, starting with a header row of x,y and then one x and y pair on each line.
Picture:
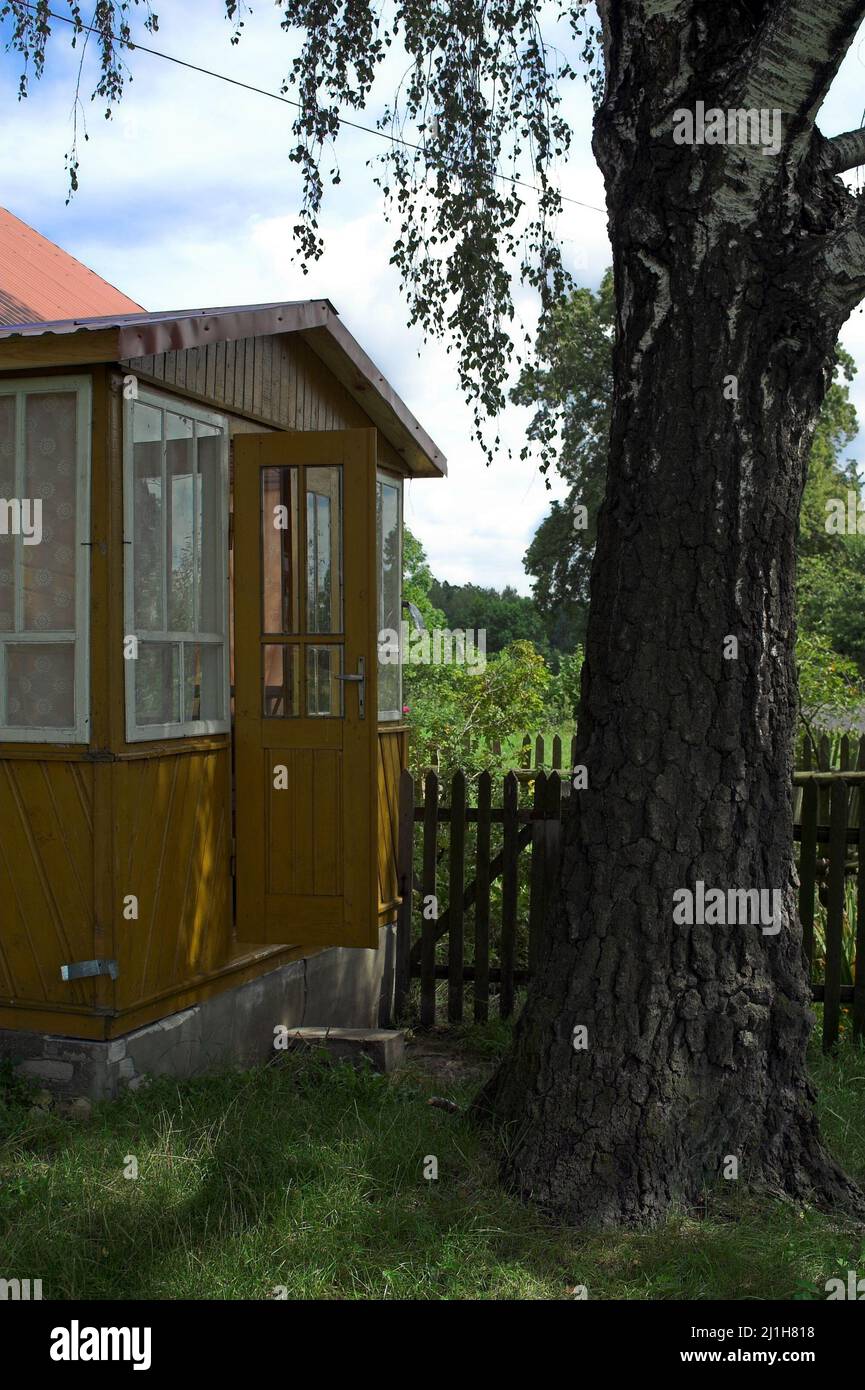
x,y
729,262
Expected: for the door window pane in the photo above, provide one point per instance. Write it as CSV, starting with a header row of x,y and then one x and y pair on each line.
x,y
323,691
324,549
281,681
279,547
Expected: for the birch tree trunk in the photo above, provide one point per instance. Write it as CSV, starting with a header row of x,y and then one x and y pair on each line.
x,y
735,269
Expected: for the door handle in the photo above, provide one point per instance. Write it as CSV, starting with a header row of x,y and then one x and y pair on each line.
x,y
358,678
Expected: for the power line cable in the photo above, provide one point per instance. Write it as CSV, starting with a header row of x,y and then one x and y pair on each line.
x,y
276,96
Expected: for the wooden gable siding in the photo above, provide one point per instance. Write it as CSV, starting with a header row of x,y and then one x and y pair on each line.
x,y
279,381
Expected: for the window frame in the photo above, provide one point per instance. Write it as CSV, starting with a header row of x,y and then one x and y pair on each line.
x,y
391,480
190,728
18,387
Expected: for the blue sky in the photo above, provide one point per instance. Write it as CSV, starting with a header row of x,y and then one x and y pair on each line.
x,y
187,199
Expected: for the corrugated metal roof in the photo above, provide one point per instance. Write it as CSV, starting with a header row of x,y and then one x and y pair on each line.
x,y
39,281
119,337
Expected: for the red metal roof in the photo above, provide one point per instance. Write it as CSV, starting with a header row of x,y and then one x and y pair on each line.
x,y
39,281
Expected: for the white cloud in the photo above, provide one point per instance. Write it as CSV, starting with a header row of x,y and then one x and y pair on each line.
x,y
189,198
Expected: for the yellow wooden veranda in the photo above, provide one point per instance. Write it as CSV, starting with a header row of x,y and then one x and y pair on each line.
x,y
200,543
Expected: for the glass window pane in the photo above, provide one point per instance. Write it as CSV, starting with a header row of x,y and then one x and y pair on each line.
x,y
147,517
279,547
40,685
389,600
323,690
48,567
7,492
181,558
324,549
157,683
209,549
281,681
202,681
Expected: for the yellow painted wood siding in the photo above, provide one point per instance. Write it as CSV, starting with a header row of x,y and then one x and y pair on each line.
x,y
171,851
46,880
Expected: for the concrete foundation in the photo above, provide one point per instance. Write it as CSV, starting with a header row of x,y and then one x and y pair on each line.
x,y
339,988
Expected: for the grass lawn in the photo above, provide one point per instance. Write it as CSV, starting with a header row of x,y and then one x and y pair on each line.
x,y
310,1177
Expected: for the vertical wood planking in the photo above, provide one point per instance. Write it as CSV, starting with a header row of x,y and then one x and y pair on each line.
x,y
835,914
509,894
456,934
557,754
405,875
482,900
537,872
808,871
428,922
859,977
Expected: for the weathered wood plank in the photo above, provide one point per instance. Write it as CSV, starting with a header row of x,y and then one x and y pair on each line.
x,y
456,935
429,901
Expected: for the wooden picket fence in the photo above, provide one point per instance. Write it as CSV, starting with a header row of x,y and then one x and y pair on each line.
x,y
829,831
536,828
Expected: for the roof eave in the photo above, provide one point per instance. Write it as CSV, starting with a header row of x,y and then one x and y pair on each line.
x,y
77,343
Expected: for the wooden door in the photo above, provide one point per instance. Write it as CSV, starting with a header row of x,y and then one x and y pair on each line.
x,y
305,619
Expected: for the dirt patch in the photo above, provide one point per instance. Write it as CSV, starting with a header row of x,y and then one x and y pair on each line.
x,y
446,1060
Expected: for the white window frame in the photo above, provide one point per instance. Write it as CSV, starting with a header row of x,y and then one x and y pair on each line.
x,y
191,728
80,732
390,480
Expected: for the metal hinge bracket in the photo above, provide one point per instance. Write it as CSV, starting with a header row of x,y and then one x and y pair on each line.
x,y
84,969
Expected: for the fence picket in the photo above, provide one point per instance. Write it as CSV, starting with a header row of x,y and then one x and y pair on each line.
x,y
537,872
835,914
482,900
428,922
859,975
808,871
405,878
456,890
509,895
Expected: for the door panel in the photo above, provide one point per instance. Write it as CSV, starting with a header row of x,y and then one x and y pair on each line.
x,y
305,727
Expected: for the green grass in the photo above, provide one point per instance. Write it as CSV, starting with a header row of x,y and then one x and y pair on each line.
x,y
309,1176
